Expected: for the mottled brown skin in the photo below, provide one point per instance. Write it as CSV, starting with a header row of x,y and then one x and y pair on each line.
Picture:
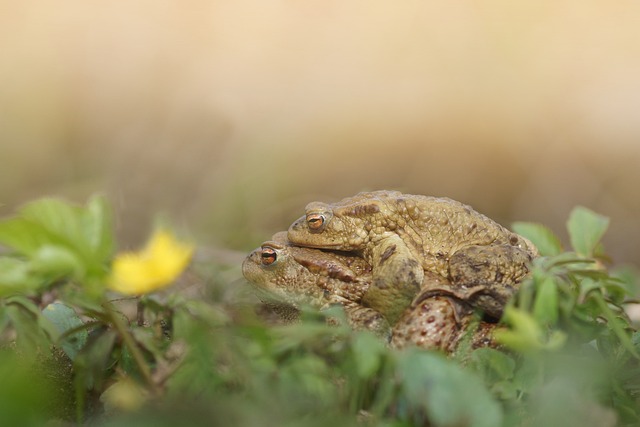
x,y
403,236
322,278
440,322
302,276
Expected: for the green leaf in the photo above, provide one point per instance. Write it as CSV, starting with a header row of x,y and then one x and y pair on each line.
x,y
545,307
565,402
309,373
86,229
26,394
497,369
619,326
54,262
94,358
526,335
62,239
542,237
368,351
16,277
586,228
448,394
48,263
564,260
146,338
98,227
64,318
23,236
31,338
628,277
26,305
59,219
54,215
492,364
586,286
528,375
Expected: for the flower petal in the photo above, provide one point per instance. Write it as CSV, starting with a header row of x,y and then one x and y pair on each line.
x,y
162,260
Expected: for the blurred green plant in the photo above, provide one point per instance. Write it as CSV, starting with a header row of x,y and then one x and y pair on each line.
x,y
70,348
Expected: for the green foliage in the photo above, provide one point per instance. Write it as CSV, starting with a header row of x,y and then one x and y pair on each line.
x,y
569,355
568,327
586,228
52,240
66,320
438,391
547,243
24,395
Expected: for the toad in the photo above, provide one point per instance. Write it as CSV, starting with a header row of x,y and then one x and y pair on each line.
x,y
291,276
294,275
403,236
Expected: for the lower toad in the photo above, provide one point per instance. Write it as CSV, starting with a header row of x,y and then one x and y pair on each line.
x,y
298,276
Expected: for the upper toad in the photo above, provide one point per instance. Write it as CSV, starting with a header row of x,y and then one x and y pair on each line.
x,y
401,236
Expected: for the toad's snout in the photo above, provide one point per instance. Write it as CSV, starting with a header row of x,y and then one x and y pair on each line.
x,y
251,265
298,226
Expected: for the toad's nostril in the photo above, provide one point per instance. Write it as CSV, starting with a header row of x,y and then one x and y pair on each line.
x,y
296,226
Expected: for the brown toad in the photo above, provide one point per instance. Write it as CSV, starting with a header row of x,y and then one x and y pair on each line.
x,y
286,275
403,236
296,275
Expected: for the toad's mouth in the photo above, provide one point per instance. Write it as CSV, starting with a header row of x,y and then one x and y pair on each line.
x,y
299,235
329,246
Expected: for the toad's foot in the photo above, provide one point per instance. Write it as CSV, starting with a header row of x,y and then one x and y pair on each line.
x,y
487,277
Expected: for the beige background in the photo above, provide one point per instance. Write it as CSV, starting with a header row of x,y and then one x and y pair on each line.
x,y
230,116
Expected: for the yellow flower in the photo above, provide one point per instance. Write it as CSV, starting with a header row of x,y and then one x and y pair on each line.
x,y
153,268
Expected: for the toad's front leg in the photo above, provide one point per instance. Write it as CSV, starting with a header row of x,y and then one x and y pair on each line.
x,y
397,277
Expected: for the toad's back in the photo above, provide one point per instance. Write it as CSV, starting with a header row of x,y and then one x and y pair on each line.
x,y
435,228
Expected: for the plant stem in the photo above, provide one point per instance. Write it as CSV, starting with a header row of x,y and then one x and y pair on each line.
x,y
138,357
140,313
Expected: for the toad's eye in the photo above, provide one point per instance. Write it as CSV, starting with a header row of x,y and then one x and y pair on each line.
x,y
315,221
268,256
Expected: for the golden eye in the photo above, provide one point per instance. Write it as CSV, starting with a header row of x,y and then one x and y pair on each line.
x,y
315,221
268,256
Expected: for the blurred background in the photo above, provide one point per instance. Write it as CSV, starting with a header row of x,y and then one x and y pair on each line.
x,y
229,117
